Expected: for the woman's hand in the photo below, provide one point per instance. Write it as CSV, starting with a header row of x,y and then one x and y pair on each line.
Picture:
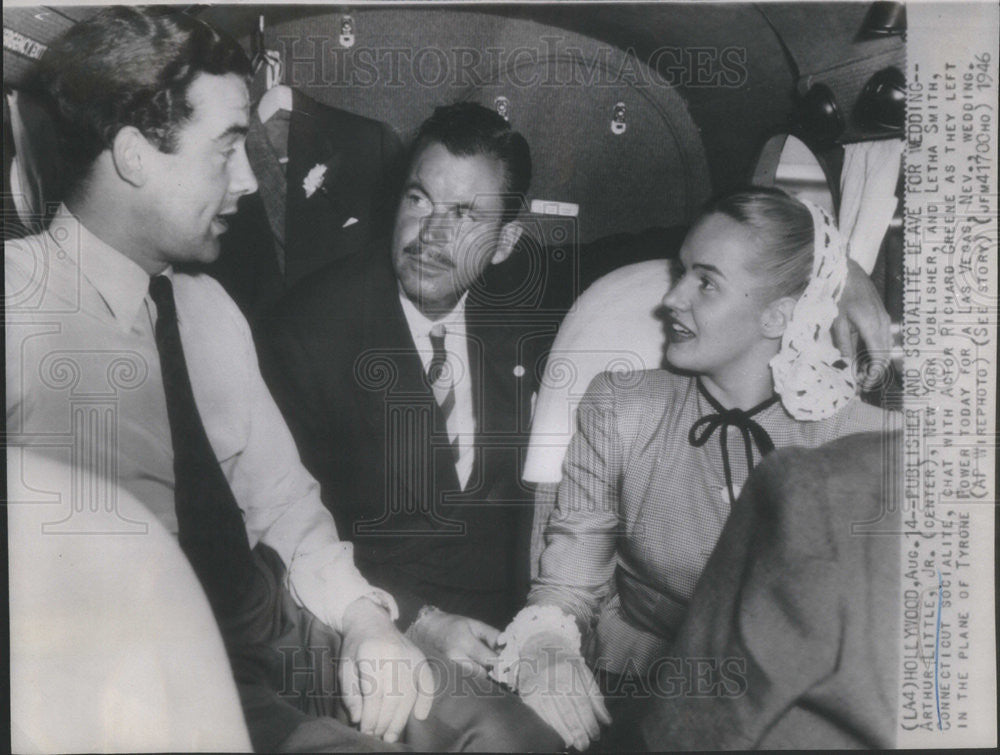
x,y
554,681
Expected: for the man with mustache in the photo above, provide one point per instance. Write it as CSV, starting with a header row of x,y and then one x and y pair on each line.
x,y
409,391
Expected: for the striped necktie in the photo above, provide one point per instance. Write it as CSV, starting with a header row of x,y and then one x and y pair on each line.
x,y
441,377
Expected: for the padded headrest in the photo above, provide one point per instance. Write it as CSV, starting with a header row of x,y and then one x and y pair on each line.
x,y
615,325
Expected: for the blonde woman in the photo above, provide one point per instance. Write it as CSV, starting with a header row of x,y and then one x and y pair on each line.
x,y
659,456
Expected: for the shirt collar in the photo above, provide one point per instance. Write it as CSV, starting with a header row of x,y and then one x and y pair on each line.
x,y
121,282
420,324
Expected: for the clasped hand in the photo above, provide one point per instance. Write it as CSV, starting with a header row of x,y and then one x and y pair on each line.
x,y
554,681
552,678
456,638
384,676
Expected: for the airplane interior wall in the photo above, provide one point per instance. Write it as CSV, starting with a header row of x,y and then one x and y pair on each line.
x,y
400,68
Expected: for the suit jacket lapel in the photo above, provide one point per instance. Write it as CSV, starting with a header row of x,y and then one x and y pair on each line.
x,y
312,223
385,330
385,325
491,368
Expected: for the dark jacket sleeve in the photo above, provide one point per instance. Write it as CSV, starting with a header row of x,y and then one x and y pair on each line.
x,y
791,619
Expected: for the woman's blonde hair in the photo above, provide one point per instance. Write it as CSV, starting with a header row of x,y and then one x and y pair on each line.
x,y
783,229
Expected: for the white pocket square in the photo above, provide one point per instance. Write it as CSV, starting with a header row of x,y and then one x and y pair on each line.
x,y
349,221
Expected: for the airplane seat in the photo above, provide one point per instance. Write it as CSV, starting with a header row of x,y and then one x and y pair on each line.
x,y
32,172
615,325
546,277
113,644
610,253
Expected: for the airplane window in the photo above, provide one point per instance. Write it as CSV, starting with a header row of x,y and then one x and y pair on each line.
x,y
787,163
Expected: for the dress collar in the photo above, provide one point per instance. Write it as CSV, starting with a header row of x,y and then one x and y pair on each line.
x,y
722,419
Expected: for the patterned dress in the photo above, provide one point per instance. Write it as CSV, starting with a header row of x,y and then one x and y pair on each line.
x,y
644,498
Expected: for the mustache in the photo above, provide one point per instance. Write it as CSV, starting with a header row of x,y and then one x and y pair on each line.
x,y
415,249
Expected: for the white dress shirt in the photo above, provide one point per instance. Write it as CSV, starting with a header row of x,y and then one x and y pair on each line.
x,y
462,421
84,386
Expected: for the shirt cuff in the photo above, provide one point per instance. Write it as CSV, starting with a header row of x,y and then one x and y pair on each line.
x,y
326,582
530,622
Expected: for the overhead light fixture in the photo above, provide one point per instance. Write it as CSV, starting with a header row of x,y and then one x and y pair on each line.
x,y
884,19
882,104
818,116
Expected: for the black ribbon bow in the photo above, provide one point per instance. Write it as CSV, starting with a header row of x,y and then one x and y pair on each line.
x,y
725,418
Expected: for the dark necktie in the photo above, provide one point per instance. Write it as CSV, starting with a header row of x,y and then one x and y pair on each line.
x,y
210,524
722,420
440,376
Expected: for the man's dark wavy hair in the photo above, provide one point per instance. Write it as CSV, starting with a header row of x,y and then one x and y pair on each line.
x,y
466,129
128,67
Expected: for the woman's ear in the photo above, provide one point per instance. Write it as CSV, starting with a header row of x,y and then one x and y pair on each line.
x,y
776,317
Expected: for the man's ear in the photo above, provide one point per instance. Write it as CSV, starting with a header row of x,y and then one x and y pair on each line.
x,y
510,232
776,317
130,153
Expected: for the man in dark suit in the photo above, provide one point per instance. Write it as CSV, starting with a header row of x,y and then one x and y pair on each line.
x,y
409,392
292,227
